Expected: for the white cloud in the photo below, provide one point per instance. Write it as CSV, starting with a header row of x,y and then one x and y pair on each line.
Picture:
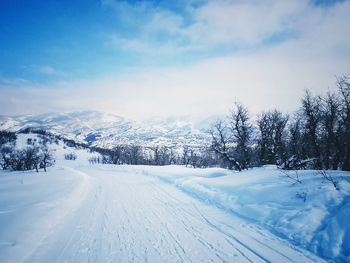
x,y
43,70
16,82
47,70
259,80
243,22
266,77
229,23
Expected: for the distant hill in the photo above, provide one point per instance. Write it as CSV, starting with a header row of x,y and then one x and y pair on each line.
x,y
108,130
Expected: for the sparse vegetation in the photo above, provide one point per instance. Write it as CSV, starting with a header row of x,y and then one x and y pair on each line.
x,y
36,155
316,137
70,156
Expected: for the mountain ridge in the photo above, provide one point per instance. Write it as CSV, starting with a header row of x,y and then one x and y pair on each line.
x,y
108,130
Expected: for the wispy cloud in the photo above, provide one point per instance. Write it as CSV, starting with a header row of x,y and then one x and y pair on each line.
x,y
47,70
216,24
44,70
12,82
261,81
280,48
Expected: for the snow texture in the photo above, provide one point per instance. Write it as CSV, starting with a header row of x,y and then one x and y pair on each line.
x,y
77,212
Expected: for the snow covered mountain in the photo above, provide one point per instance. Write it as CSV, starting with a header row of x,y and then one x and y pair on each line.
x,y
108,130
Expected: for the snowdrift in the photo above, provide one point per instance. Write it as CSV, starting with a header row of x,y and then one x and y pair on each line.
x,y
311,214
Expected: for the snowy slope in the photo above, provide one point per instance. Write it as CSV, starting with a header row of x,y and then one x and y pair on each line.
x,y
107,130
267,197
78,212
124,216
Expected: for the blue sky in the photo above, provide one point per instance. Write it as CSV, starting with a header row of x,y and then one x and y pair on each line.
x,y
67,36
132,49
50,40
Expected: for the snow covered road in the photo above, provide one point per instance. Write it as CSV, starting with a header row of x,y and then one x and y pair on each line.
x,y
118,214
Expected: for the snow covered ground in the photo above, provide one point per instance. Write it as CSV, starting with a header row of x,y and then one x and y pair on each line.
x,y
77,212
311,214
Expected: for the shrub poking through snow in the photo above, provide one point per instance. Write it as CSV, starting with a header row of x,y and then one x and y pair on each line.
x,y
294,177
70,156
328,177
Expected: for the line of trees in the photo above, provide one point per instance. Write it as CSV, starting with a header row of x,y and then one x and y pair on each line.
x,y
316,136
157,155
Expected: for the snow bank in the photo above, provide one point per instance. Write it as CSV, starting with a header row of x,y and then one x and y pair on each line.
x,y
33,205
311,214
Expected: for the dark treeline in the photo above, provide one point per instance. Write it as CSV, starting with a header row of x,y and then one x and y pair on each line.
x,y
157,155
317,136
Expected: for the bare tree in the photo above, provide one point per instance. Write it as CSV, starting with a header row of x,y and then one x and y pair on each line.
x,y
241,129
330,132
173,157
343,84
221,145
295,146
135,154
185,159
194,158
312,112
271,142
116,154
46,157
31,158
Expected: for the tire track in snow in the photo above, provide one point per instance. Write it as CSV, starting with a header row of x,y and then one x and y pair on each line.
x,y
287,248
129,217
181,210
70,204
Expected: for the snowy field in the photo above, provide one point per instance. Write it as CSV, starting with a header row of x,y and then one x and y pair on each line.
x,y
77,212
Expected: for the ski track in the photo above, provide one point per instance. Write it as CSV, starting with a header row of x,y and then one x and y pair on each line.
x,y
132,217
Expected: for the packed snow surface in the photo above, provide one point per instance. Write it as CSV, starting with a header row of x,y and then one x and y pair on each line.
x,y
117,214
312,214
77,212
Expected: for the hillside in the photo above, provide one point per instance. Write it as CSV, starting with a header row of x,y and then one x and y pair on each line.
x,y
80,212
107,130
